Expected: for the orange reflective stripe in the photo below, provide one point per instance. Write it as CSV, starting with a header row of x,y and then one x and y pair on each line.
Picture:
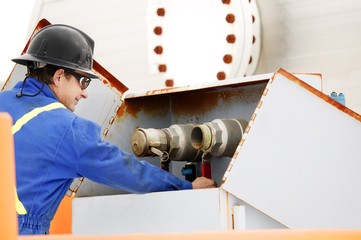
x,y
20,209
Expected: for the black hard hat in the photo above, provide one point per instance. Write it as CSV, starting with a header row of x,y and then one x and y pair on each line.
x,y
62,46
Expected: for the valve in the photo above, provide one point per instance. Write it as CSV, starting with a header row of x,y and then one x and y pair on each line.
x,y
187,142
174,141
219,137
190,142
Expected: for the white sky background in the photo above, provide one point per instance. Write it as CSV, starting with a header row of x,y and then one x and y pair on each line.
x,y
14,22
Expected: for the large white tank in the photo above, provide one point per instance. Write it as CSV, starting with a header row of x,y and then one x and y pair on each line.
x,y
301,36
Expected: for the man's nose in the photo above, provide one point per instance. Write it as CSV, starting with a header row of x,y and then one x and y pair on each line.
x,y
84,93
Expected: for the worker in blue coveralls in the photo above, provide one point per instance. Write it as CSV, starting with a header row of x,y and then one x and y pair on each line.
x,y
53,145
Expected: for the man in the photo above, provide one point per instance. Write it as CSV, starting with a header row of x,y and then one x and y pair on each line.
x,y
53,145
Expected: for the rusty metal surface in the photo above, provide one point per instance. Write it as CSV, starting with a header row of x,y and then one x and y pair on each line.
x,y
181,106
108,79
154,106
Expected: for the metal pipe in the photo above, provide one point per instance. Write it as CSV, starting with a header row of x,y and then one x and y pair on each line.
x,y
175,141
219,137
144,139
187,142
201,137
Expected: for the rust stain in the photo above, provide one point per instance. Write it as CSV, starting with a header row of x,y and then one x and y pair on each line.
x,y
253,117
108,79
241,142
191,103
166,90
198,102
224,179
260,104
106,131
247,129
120,111
265,92
194,102
152,106
229,168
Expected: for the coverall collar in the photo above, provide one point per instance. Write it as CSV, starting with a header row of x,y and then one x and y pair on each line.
x,y
32,86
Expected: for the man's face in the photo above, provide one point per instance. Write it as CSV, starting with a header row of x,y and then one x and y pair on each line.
x,y
67,89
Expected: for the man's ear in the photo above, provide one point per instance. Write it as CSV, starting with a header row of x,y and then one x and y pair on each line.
x,y
57,76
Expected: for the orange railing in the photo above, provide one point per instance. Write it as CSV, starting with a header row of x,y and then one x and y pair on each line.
x,y
8,218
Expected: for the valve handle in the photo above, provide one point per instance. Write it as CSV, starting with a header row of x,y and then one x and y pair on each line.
x,y
163,155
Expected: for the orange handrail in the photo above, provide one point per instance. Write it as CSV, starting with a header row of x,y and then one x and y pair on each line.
x,y
62,222
8,217
284,234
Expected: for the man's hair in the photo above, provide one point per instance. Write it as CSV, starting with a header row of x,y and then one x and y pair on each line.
x,y
44,74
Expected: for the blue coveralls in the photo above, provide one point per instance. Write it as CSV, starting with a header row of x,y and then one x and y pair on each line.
x,y
57,146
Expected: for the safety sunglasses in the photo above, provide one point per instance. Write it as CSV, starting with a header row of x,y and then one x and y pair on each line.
x,y
83,81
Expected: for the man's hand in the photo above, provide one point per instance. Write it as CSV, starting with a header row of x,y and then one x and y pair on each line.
x,y
202,182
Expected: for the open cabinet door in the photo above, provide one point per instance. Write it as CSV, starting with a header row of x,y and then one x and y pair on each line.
x,y
299,161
